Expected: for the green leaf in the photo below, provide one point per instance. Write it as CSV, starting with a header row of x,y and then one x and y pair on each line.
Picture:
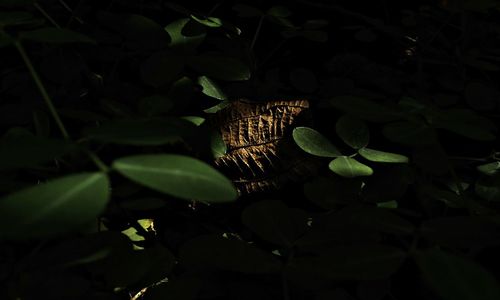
x,y
210,88
217,144
177,175
195,120
53,35
161,68
380,156
349,167
314,142
216,251
209,22
304,80
365,109
147,132
275,222
464,232
329,193
466,123
488,188
388,204
279,11
410,133
489,168
30,151
59,206
217,107
220,67
139,32
357,262
154,105
353,131
247,11
182,40
457,278
13,18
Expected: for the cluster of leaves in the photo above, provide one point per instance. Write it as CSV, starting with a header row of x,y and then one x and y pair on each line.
x,y
105,156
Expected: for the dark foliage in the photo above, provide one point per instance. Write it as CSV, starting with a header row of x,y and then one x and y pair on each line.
x,y
109,189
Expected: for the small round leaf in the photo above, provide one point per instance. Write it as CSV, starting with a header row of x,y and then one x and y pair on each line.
x,y
349,167
314,142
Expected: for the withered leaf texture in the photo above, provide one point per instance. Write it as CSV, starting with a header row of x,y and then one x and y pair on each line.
x,y
261,153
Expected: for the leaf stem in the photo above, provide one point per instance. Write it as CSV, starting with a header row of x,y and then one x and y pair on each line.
x,y
98,162
46,15
257,32
42,89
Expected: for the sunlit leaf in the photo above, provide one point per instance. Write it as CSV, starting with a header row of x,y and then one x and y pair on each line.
x,y
217,144
210,88
457,278
314,142
489,168
177,175
381,156
353,131
209,22
59,206
349,167
182,40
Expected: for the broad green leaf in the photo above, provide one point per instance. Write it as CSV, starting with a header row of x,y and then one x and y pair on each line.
x,y
456,278
59,206
217,107
53,35
353,131
466,123
210,88
388,204
357,262
329,193
220,67
489,168
349,167
304,80
365,109
218,252
488,188
195,120
247,11
177,175
410,133
139,32
161,68
314,142
463,232
147,132
274,222
381,156
279,11
30,151
182,40
217,144
154,105
13,18
209,22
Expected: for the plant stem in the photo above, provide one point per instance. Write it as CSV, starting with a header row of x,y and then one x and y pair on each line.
x,y
98,162
42,89
257,32
46,15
